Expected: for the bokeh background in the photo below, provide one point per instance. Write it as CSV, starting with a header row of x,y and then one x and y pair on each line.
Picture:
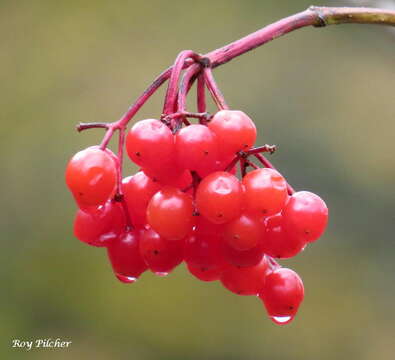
x,y
324,96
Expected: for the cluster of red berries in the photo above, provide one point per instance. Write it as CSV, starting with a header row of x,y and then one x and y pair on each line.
x,y
186,204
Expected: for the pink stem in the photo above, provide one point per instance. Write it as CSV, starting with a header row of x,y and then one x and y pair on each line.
x,y
172,89
85,126
119,193
214,90
314,16
185,86
201,94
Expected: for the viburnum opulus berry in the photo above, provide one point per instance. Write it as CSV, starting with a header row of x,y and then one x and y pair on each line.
x,y
160,255
245,232
100,226
91,176
219,197
235,131
305,215
125,257
170,213
246,280
138,191
150,144
279,243
197,149
282,293
265,191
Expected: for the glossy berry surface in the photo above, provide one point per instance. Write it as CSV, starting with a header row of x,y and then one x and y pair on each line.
x,y
197,149
99,227
170,213
245,258
244,232
235,131
282,294
278,243
91,176
138,191
219,197
206,274
204,250
150,143
265,191
245,280
305,215
125,258
160,255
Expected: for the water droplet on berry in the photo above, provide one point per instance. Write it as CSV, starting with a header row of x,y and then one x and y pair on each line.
x,y
161,273
126,279
281,320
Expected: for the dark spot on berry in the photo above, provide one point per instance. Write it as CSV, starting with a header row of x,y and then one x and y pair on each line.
x,y
245,146
220,215
81,194
138,154
239,292
203,268
156,252
291,308
264,211
307,231
205,152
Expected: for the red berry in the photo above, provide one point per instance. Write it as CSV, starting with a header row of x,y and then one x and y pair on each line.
x,y
245,232
138,191
305,215
244,258
91,176
170,175
197,149
265,191
219,197
235,131
204,250
101,226
206,227
150,144
170,213
282,294
205,274
159,254
245,280
125,257
278,243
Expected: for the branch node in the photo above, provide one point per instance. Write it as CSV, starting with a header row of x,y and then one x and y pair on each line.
x,y
205,62
321,22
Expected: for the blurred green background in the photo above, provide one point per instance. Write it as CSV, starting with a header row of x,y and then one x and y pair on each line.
x,y
324,96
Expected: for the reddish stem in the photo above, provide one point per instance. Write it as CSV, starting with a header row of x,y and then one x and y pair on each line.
x,y
172,89
119,194
201,93
186,84
86,126
214,90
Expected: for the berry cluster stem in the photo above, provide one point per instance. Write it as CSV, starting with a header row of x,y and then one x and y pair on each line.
x,y
200,67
